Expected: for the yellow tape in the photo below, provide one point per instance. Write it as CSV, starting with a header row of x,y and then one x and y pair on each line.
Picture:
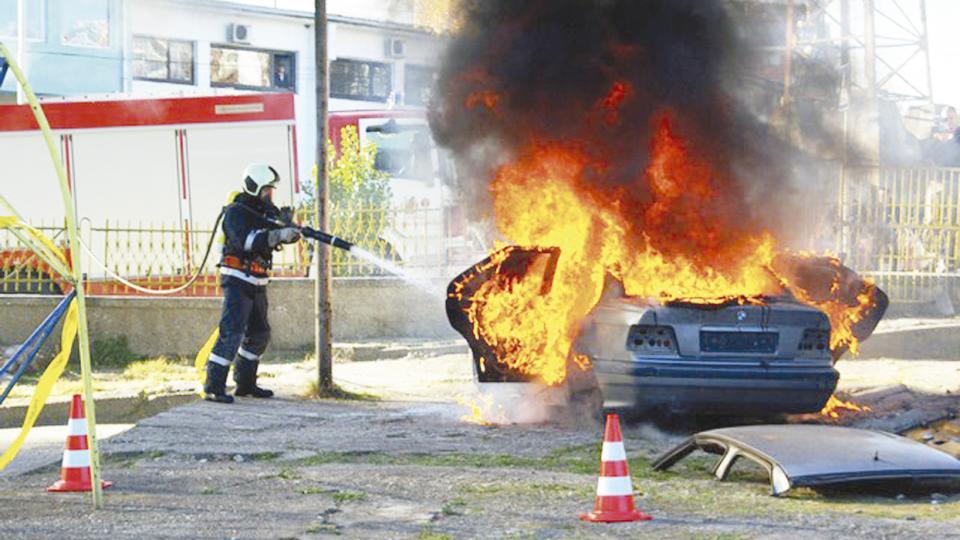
x,y
45,384
52,256
201,361
71,219
42,238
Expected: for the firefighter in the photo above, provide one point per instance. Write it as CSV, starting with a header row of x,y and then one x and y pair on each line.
x,y
250,239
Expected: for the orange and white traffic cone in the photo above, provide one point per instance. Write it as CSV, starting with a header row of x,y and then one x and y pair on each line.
x,y
75,470
614,489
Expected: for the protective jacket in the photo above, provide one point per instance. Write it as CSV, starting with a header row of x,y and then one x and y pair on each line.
x,y
247,254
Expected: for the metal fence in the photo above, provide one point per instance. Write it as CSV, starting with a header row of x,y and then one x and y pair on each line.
x,y
20,270
166,255
902,226
898,225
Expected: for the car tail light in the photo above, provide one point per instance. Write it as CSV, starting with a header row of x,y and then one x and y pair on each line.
x,y
652,340
815,342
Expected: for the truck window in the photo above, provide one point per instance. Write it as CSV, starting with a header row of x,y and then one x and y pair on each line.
x,y
403,151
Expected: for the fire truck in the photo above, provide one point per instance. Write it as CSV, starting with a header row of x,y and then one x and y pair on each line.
x,y
428,226
154,165
171,162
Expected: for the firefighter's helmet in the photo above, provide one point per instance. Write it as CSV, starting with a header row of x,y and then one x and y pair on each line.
x,y
258,176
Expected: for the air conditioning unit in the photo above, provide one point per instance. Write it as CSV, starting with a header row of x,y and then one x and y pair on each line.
x,y
396,48
238,33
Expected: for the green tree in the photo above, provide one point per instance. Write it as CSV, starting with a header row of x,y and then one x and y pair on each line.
x,y
354,180
359,197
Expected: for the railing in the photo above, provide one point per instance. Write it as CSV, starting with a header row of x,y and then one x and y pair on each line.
x,y
902,226
21,271
165,256
899,225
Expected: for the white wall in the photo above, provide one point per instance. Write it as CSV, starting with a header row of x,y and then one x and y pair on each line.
x,y
397,11
355,42
206,24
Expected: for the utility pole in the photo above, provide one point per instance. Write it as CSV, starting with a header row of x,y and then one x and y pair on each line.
x,y
322,292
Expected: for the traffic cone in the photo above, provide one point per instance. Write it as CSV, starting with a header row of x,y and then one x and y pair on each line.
x,y
614,489
75,470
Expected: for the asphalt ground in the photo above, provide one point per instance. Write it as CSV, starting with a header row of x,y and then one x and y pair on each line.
x,y
409,466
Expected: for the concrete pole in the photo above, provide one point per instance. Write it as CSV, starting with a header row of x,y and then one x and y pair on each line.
x,y
21,45
323,345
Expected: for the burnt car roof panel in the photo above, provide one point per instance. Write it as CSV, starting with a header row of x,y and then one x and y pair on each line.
x,y
814,455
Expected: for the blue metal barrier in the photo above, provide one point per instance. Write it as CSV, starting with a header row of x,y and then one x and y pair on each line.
x,y
29,348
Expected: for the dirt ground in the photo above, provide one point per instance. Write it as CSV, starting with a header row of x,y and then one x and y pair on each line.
x,y
408,466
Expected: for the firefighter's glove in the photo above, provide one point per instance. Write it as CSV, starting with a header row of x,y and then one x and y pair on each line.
x,y
287,235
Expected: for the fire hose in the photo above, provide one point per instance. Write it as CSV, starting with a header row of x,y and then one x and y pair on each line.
x,y
283,219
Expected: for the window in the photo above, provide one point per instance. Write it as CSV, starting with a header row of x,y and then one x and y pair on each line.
x,y
417,84
351,79
252,68
8,19
156,59
403,150
84,23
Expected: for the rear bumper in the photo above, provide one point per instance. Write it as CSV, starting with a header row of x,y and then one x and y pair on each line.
x,y
693,387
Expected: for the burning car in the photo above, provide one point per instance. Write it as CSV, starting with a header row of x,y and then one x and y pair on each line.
x,y
762,354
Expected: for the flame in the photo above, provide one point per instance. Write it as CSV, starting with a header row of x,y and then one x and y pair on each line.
x,y
835,407
619,93
482,411
681,239
843,314
439,16
487,98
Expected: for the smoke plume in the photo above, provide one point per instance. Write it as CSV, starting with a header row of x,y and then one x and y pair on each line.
x,y
603,76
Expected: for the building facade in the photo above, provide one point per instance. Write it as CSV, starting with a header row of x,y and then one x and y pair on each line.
x,y
90,49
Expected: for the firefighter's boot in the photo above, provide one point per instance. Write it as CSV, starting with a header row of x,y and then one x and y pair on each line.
x,y
215,388
245,375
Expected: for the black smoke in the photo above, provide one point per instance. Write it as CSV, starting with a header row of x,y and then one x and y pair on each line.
x,y
539,70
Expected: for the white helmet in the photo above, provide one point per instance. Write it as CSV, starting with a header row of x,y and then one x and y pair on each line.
x,y
258,176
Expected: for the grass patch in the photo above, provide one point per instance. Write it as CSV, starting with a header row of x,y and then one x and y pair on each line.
x,y
325,528
337,393
456,507
287,473
521,489
582,459
314,491
68,384
427,533
751,498
149,376
343,497
687,487
157,370
264,456
111,351
209,490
